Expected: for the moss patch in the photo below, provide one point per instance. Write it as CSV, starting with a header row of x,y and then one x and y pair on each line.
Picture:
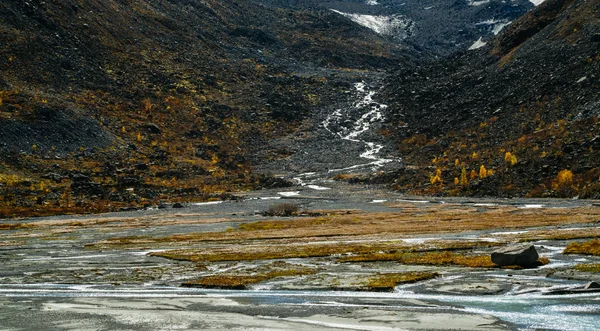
x,y
593,267
387,282
587,248
241,282
429,258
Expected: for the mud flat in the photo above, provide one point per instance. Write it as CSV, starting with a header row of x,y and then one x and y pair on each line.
x,y
348,257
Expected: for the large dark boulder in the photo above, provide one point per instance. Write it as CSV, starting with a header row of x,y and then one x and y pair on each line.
x,y
521,255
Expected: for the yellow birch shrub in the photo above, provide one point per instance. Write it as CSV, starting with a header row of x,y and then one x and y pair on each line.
x,y
473,174
482,172
563,180
437,179
510,159
464,181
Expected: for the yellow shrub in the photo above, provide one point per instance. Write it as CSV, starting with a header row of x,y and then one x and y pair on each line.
x,y
473,174
464,181
563,180
482,172
437,179
510,159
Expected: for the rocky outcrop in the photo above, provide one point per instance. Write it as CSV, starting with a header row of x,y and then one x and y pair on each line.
x,y
521,255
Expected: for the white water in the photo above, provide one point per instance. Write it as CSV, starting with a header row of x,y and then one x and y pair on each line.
x,y
528,311
369,112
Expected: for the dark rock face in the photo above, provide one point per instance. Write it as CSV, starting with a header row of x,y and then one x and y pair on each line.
x,y
521,255
83,185
591,285
439,27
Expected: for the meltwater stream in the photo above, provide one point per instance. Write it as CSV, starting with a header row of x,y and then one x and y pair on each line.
x,y
350,123
354,123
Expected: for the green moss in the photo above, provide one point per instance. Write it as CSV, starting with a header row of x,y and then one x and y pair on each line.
x,y
429,258
387,282
241,282
594,267
587,248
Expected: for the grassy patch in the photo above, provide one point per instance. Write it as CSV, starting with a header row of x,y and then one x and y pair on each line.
x,y
593,267
591,247
374,251
560,235
271,252
412,220
241,282
387,282
428,258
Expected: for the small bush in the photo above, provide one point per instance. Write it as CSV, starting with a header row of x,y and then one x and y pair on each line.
x,y
282,209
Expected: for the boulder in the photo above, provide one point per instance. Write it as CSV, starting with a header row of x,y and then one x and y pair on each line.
x,y
521,255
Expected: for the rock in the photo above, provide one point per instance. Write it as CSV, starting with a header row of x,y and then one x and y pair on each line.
x,y
591,287
177,205
82,184
53,177
153,128
521,255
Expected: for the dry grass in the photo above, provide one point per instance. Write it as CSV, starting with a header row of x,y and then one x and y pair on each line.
x,y
387,282
586,233
412,220
270,252
429,258
241,282
593,267
289,251
587,248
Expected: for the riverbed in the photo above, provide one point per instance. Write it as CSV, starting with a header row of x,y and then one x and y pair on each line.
x,y
54,276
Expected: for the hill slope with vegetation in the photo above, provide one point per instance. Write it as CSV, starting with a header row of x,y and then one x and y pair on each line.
x,y
518,117
107,104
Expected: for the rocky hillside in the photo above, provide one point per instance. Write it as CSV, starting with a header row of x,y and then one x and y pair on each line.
x,y
434,27
108,104
518,117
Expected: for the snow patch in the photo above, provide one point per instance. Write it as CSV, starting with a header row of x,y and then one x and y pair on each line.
x,y
372,2
318,188
289,194
536,2
395,25
475,3
531,206
497,25
478,44
206,203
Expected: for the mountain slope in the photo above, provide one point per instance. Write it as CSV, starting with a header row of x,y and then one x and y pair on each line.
x,y
434,27
525,106
106,104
